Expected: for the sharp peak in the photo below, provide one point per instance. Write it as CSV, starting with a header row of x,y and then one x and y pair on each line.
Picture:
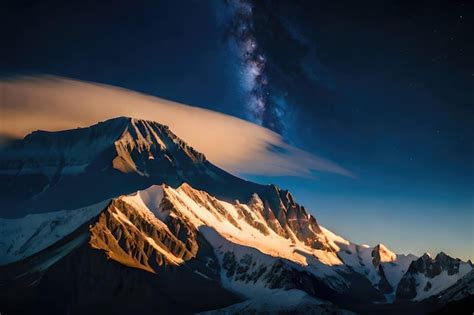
x,y
137,128
114,128
443,255
426,255
130,120
382,249
112,122
381,246
281,191
440,257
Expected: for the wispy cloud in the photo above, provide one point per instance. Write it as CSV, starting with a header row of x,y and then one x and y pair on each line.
x,y
54,103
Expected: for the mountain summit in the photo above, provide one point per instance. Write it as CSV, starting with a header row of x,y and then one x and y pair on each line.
x,y
45,170
123,155
125,217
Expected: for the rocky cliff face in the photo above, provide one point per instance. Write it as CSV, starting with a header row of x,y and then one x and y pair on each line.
x,y
428,276
139,240
380,257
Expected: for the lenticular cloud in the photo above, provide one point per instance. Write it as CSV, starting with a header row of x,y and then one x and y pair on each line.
x,y
238,146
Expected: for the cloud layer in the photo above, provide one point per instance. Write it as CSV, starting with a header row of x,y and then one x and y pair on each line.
x,y
240,147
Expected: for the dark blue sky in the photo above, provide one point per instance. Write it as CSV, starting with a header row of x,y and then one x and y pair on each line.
x,y
383,88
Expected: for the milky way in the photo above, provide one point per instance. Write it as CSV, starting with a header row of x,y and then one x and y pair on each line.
x,y
253,62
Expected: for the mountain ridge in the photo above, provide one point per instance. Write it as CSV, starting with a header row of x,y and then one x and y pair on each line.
x,y
94,155
151,203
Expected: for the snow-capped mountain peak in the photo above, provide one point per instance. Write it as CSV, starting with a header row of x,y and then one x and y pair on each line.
x,y
428,276
43,171
382,254
150,202
426,255
145,146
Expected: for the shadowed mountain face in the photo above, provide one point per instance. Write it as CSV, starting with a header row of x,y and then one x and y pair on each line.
x,y
125,217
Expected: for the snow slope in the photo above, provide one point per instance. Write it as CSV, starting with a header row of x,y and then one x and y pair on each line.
x,y
21,238
279,301
438,283
463,288
377,263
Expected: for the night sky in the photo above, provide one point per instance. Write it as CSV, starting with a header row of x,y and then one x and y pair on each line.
x,y
383,88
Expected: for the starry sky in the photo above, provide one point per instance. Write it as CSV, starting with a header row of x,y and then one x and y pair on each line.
x,y
383,88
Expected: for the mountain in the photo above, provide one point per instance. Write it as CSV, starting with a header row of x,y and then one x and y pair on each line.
x,y
124,217
428,276
46,170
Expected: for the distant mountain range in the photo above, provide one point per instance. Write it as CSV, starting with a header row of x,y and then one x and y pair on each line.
x,y
124,217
